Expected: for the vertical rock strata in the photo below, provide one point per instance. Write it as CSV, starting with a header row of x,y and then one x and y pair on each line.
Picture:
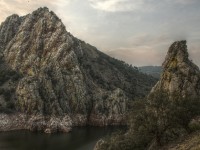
x,y
58,81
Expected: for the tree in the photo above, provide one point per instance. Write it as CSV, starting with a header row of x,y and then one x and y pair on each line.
x,y
169,116
158,120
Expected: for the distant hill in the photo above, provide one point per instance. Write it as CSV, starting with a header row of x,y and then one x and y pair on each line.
x,y
154,71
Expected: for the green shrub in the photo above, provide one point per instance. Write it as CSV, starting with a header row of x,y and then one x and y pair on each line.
x,y
10,105
157,121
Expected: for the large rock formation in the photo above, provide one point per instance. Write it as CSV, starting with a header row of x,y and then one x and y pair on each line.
x,y
179,82
51,80
180,75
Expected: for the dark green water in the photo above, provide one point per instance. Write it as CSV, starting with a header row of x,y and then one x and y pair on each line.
x,y
83,138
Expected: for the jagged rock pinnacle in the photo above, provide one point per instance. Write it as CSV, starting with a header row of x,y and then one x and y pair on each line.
x,y
180,75
177,60
177,51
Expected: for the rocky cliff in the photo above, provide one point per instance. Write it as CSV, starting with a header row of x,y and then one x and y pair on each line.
x,y
170,111
51,80
180,75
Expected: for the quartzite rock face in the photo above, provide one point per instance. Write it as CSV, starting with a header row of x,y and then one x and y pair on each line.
x,y
60,81
180,75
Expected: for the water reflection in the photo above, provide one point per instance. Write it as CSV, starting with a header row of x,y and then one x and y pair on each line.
x,y
79,139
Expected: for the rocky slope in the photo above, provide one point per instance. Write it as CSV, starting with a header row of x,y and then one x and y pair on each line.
x,y
51,80
190,142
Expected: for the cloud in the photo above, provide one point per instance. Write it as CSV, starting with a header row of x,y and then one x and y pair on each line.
x,y
185,2
133,5
147,49
138,56
143,49
117,5
136,31
23,7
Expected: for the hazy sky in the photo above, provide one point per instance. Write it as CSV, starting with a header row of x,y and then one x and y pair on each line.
x,y
136,31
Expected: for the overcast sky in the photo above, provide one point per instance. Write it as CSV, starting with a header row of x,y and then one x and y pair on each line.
x,y
136,31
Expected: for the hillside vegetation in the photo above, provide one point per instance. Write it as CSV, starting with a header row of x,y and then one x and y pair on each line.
x,y
170,110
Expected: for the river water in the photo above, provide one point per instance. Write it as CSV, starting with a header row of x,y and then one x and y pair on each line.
x,y
82,138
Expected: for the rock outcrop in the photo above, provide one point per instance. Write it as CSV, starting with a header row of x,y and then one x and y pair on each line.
x,y
180,75
179,83
51,76
47,124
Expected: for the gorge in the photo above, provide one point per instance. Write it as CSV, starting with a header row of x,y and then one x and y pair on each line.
x,y
53,82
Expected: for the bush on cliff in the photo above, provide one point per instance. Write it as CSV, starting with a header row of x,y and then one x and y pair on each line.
x,y
157,121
